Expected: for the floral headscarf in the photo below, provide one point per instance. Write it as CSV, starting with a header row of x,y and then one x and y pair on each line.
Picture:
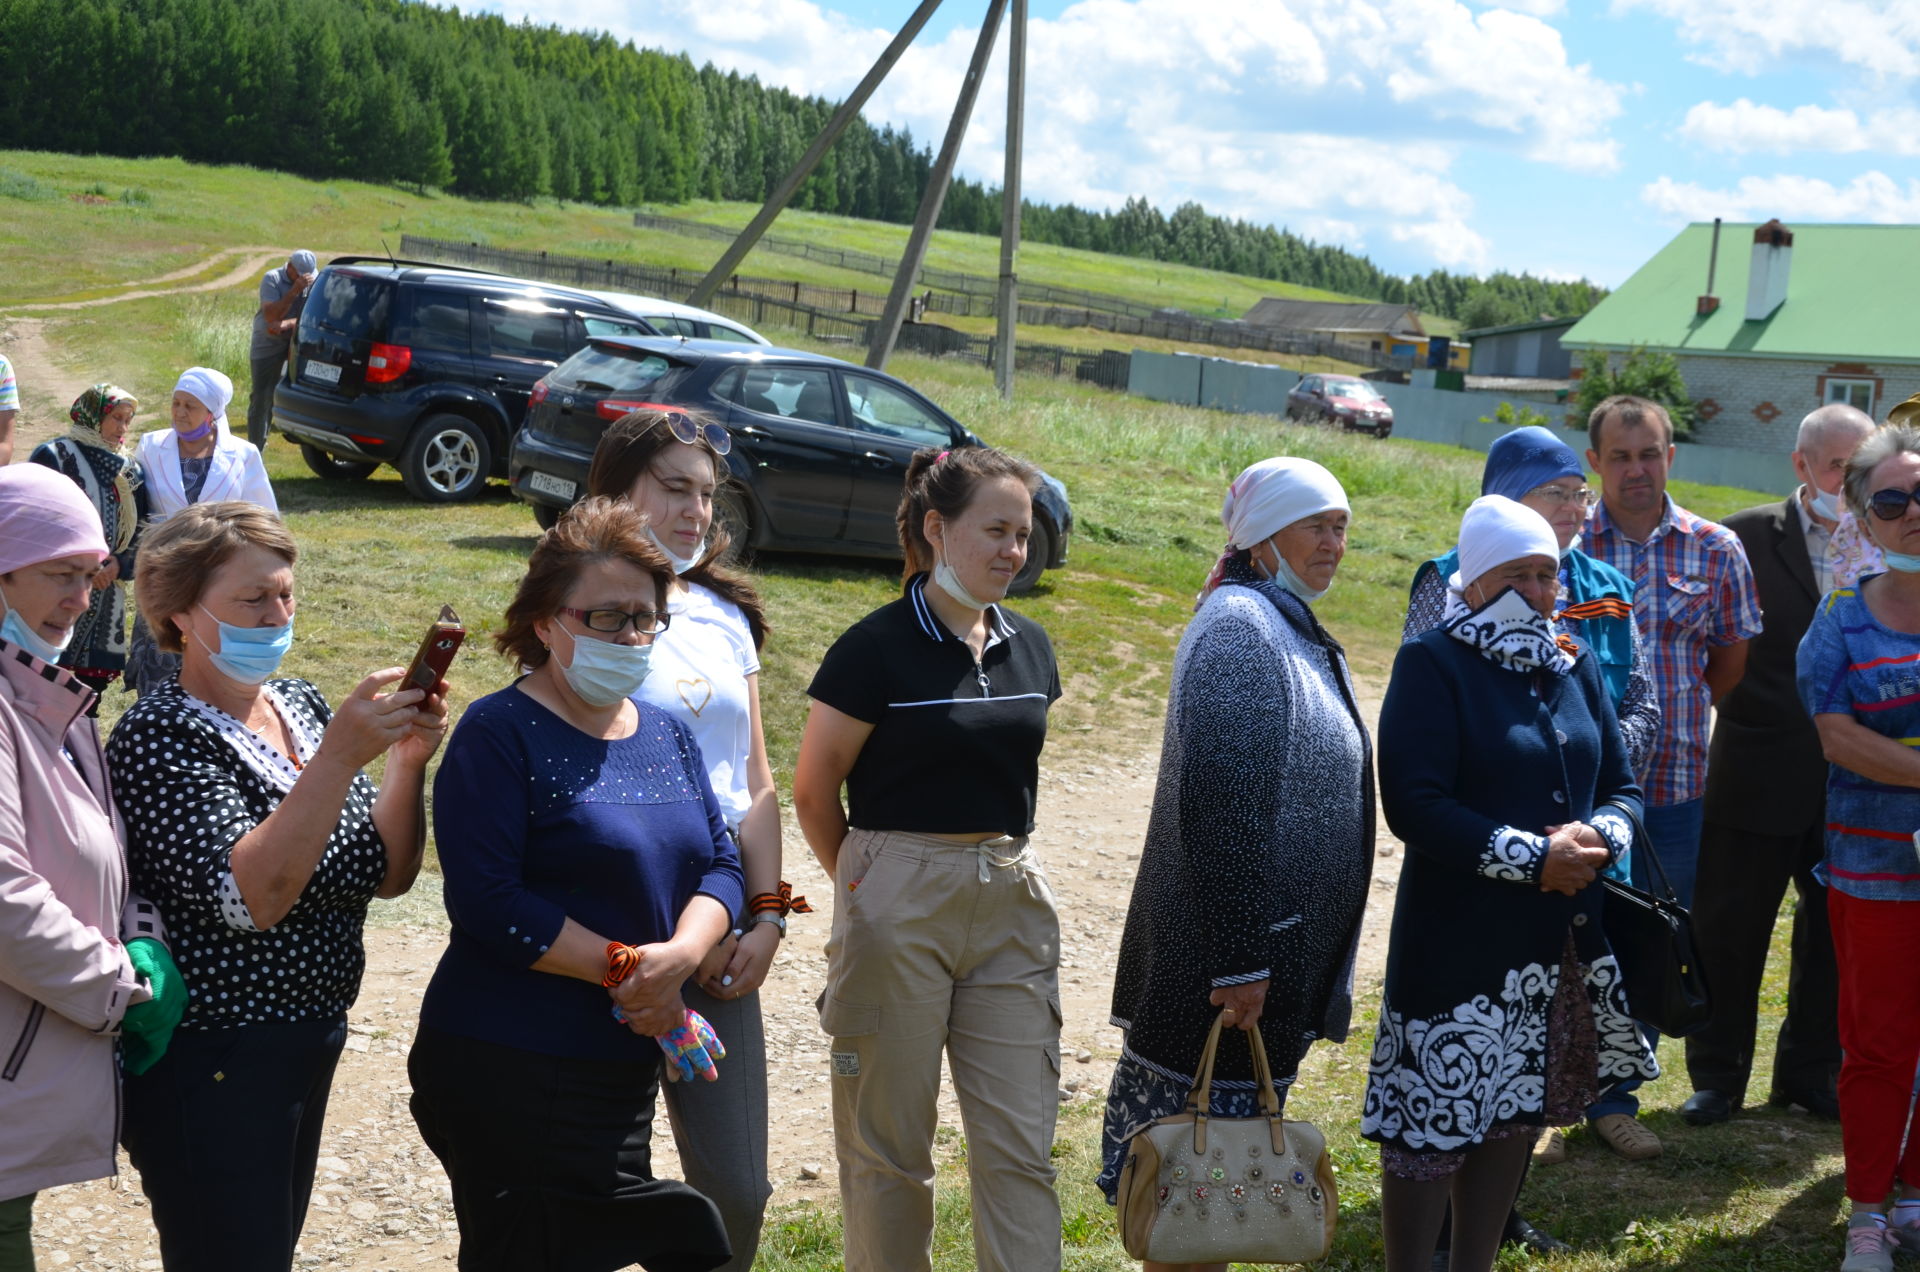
x,y
90,409
87,413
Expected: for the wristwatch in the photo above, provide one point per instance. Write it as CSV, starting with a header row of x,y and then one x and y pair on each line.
x,y
769,916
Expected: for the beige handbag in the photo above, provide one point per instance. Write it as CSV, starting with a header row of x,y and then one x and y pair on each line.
x,y
1203,1189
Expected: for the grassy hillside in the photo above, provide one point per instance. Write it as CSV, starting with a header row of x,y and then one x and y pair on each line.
x,y
1201,291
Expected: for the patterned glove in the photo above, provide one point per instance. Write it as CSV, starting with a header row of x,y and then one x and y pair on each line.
x,y
692,1049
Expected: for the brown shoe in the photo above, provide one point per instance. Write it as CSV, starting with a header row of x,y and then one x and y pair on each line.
x,y
1551,1148
1627,1137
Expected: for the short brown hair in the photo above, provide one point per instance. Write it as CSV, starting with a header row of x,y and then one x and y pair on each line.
x,y
946,481
1632,411
593,531
180,555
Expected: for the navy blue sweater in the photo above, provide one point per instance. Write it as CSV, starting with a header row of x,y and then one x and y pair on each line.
x,y
537,822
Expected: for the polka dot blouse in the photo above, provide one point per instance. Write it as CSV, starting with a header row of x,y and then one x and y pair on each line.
x,y
191,781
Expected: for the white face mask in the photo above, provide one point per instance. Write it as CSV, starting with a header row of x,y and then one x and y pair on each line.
x,y
1824,505
680,564
947,581
603,673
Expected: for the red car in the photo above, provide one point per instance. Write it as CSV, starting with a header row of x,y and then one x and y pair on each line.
x,y
1340,399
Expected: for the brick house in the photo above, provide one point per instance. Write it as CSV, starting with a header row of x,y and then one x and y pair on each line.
x,y
1792,319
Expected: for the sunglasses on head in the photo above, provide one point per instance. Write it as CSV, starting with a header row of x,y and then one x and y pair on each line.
x,y
685,430
1891,505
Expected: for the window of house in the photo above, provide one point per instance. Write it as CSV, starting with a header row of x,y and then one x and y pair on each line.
x,y
1858,393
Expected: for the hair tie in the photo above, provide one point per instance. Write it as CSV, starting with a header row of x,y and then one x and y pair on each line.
x,y
942,455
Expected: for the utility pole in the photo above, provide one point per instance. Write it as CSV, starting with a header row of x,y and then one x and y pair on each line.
x,y
888,328
1009,294
848,111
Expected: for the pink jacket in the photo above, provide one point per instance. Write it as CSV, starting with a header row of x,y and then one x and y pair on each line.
x,y
65,980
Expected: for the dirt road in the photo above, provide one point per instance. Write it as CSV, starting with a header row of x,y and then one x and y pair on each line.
x,y
382,1201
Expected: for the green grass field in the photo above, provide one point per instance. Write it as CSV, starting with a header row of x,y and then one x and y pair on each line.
x,y
1145,478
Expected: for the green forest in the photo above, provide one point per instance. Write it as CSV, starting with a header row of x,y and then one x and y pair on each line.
x,y
425,96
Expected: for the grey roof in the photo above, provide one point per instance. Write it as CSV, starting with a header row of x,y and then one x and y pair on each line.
x,y
1331,315
1541,324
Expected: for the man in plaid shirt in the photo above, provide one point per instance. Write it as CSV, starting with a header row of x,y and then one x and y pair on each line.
x,y
1696,606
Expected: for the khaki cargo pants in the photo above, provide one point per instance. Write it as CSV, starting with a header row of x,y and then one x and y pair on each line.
x,y
944,945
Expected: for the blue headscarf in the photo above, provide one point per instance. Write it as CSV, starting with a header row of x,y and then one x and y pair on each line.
x,y
1526,459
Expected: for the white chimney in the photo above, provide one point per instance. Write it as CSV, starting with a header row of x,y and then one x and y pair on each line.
x,y
1767,276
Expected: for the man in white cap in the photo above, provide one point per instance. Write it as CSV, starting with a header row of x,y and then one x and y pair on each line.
x,y
282,293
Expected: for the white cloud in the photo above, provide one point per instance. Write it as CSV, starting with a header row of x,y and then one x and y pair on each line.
x,y
1340,118
1871,196
1745,126
1877,36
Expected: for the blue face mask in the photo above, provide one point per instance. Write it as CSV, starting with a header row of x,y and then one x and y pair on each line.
x,y
248,654
1905,562
1823,504
15,631
603,673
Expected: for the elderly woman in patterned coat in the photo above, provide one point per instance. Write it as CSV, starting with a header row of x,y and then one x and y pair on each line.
x,y
1260,845
1503,770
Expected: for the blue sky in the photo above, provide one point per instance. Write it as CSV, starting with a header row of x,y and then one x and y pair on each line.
x,y
1557,136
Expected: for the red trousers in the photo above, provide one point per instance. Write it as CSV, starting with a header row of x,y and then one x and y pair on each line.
x,y
1877,947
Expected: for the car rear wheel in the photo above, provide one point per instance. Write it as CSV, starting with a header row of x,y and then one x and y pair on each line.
x,y
731,517
1039,552
447,460
325,465
546,516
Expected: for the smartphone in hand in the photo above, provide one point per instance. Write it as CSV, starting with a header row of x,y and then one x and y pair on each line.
x,y
435,655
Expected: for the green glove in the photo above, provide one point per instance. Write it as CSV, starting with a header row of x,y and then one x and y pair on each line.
x,y
148,1027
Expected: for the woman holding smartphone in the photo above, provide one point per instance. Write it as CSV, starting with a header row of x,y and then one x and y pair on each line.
x,y
706,674
933,711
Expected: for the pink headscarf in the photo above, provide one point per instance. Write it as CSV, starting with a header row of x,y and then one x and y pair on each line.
x,y
44,516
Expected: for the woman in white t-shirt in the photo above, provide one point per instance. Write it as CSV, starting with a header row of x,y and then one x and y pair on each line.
x,y
706,672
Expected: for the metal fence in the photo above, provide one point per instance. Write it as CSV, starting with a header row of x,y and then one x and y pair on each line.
x,y
846,317
980,286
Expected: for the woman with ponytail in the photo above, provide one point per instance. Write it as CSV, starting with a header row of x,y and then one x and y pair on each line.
x,y
933,711
666,465
1260,845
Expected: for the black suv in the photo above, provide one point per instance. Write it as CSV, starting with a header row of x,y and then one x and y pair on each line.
x,y
427,368
820,446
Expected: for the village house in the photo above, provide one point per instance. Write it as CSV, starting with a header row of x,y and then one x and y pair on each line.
x,y
1782,321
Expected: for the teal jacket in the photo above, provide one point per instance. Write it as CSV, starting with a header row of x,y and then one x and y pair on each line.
x,y
1599,610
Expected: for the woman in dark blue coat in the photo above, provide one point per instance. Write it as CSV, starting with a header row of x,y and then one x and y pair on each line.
x,y
1502,769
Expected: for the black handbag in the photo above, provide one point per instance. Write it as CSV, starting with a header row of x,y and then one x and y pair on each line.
x,y
1652,939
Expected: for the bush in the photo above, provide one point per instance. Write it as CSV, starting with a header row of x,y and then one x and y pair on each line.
x,y
15,184
1644,373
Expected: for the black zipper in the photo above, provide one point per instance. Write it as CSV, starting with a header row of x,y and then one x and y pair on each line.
x,y
23,1043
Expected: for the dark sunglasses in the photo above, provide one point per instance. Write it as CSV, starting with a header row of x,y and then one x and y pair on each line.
x,y
1891,505
613,621
685,430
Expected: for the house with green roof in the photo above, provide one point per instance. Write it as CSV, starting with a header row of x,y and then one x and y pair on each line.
x,y
1768,322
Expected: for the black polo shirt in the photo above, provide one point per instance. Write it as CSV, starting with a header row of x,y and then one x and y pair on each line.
x,y
956,745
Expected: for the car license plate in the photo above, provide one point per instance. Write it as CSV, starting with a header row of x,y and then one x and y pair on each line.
x,y
548,484
324,372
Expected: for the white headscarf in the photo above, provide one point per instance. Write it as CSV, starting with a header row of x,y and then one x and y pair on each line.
x,y
1496,530
1270,496
212,389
